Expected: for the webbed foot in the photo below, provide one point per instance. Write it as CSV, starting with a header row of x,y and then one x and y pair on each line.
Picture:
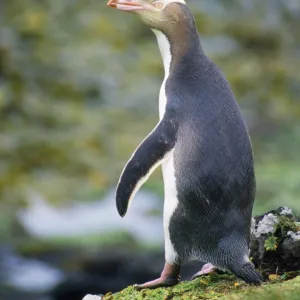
x,y
206,269
169,277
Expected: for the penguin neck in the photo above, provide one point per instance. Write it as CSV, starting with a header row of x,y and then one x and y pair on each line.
x,y
175,51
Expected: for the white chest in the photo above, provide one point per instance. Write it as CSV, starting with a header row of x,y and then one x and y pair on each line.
x,y
165,50
162,99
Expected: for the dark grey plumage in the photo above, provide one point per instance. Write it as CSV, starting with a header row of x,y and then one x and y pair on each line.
x,y
213,161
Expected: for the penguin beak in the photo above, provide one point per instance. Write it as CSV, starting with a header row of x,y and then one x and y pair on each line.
x,y
126,5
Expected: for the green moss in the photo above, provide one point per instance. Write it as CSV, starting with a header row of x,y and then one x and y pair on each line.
x,y
271,243
284,225
215,287
271,291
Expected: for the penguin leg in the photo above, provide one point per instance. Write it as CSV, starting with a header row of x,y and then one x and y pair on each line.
x,y
147,157
206,269
169,277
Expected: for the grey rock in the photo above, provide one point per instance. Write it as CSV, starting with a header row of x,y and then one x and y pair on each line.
x,y
282,227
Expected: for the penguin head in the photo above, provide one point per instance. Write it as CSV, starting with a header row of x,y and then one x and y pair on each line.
x,y
162,15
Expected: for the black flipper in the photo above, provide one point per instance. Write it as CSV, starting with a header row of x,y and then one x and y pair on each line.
x,y
147,157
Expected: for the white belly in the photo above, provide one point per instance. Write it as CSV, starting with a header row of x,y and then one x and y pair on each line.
x,y
170,204
171,200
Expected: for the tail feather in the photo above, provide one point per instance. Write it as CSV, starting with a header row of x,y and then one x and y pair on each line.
x,y
248,274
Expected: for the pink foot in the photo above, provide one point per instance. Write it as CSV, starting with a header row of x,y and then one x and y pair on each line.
x,y
206,269
169,277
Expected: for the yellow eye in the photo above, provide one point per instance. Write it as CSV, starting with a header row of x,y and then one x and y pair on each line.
x,y
158,4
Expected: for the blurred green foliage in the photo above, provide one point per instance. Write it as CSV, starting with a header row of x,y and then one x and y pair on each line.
x,y
79,87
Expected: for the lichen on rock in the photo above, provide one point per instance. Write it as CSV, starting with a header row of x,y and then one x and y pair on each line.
x,y
265,225
92,297
294,235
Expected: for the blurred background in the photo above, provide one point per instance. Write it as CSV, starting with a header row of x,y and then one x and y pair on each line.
x,y
79,86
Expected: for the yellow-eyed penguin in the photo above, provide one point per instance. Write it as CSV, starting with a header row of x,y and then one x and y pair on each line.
x,y
204,148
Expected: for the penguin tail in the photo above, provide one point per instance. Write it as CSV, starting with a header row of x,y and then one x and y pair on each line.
x,y
248,274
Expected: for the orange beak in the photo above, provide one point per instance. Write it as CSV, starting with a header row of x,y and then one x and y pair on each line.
x,y
126,5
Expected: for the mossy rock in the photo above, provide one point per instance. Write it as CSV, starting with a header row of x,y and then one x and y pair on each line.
x,y
275,243
216,287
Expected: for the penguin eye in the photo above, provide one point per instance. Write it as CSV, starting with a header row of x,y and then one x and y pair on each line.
x,y
158,4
